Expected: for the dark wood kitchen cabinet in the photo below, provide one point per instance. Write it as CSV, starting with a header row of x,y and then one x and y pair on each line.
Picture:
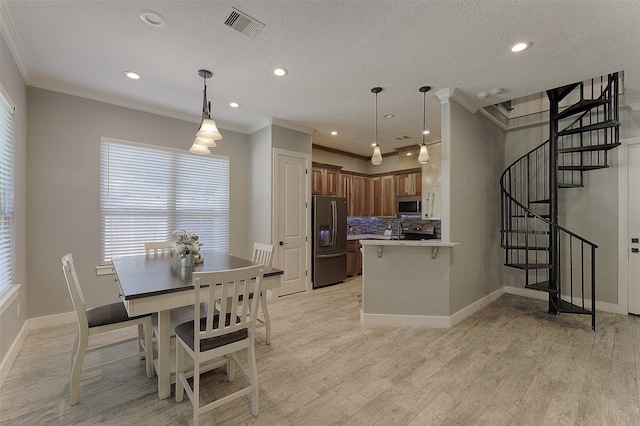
x,y
354,189
408,184
354,258
325,179
382,192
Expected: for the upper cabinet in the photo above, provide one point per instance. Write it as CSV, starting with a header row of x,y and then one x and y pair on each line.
x,y
367,195
325,179
408,184
382,196
354,189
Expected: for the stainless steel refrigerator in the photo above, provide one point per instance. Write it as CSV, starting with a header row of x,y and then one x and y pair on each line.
x,y
329,240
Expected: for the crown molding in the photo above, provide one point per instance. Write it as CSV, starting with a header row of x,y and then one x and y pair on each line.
x,y
10,35
340,152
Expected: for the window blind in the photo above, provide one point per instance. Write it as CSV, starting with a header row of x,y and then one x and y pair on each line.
x,y
148,192
7,177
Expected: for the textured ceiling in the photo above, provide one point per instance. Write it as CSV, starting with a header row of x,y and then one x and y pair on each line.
x,y
335,52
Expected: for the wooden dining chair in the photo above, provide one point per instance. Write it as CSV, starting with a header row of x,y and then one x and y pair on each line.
x,y
98,320
220,334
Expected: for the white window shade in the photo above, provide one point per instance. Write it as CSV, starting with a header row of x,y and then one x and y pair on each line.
x,y
148,192
7,177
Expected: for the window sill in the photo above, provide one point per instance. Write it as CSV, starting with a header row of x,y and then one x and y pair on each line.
x,y
8,297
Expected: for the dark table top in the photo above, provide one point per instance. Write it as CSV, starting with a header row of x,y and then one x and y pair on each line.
x,y
144,276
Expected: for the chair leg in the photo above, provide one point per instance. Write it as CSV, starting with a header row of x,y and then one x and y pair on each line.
x,y
231,367
76,370
140,338
267,320
148,344
179,371
253,373
196,392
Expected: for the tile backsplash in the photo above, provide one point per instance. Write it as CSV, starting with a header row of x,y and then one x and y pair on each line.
x,y
377,225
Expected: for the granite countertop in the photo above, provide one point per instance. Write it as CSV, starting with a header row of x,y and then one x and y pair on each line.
x,y
368,237
412,243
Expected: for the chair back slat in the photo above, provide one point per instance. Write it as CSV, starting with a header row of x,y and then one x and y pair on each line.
x,y
226,290
157,248
262,253
74,289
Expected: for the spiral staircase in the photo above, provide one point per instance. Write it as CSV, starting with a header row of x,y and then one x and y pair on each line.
x,y
554,259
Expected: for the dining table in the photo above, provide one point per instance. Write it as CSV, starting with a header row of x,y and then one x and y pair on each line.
x,y
157,284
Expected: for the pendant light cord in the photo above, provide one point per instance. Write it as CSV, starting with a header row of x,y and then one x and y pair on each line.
x,y
424,114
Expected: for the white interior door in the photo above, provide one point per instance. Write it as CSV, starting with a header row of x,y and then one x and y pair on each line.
x,y
634,229
292,220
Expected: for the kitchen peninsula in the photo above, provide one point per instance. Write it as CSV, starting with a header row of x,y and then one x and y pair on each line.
x,y
406,283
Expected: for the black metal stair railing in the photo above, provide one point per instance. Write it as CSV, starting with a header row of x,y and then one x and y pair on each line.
x,y
529,233
525,236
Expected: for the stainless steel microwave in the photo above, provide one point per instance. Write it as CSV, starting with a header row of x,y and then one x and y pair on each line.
x,y
409,205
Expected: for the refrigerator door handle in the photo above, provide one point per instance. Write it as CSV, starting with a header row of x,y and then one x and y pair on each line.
x,y
327,256
334,222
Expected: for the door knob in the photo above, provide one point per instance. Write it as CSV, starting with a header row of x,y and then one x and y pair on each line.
x,y
283,243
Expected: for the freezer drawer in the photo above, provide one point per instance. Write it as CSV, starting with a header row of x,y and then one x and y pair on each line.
x,y
329,268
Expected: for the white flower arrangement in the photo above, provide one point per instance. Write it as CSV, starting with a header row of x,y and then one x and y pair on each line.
x,y
185,243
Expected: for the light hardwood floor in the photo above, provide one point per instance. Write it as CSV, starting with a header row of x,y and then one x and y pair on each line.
x,y
509,364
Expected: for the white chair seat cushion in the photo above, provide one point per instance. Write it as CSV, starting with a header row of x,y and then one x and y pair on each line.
x,y
109,314
185,332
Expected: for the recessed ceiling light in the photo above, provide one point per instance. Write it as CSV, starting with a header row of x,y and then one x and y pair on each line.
x,y
334,133
132,75
519,47
152,18
388,116
234,105
409,154
280,72
426,132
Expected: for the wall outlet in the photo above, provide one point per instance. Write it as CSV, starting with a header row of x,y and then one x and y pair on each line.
x,y
18,309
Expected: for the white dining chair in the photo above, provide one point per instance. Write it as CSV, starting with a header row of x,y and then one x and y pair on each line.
x,y
177,315
220,334
157,248
262,254
98,320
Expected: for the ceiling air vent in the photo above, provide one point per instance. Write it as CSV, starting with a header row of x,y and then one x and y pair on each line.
x,y
403,138
243,23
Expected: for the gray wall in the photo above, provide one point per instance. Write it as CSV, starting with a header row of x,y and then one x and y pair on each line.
x,y
12,83
63,188
475,157
260,161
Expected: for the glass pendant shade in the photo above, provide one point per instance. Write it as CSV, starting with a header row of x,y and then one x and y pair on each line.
x,y
199,149
209,143
209,130
423,157
376,158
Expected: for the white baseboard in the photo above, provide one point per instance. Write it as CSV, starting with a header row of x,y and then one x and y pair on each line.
x,y
32,324
393,320
51,320
11,355
463,313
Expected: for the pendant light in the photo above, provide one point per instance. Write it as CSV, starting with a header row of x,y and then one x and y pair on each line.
x,y
208,132
376,158
423,156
